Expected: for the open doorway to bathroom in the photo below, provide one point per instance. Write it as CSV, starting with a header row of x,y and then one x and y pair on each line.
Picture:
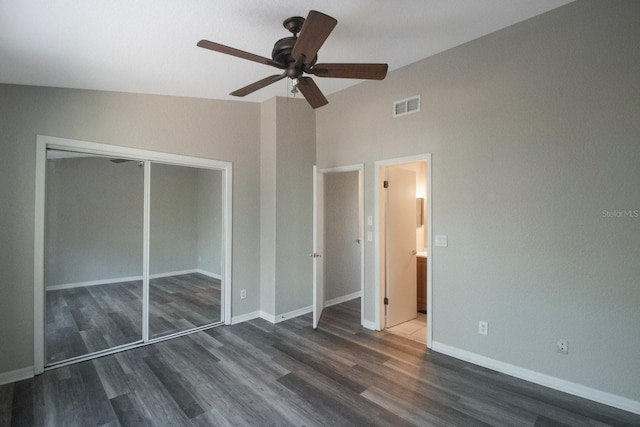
x,y
403,235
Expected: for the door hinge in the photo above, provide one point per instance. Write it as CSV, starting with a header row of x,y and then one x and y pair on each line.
x,y
386,184
386,301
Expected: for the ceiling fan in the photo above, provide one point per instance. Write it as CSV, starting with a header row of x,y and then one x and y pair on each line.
x,y
297,55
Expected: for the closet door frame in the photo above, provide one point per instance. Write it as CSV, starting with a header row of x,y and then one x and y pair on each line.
x,y
43,143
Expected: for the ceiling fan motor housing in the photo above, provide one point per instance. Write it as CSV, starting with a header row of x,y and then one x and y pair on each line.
x,y
281,52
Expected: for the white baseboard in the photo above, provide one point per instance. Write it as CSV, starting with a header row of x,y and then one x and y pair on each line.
x,y
17,375
579,390
268,317
342,299
171,273
132,279
245,317
209,274
369,325
295,313
93,283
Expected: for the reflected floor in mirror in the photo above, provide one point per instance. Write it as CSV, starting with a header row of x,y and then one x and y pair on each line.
x,y
87,319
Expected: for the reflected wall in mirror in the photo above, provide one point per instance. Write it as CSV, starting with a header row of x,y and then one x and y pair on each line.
x,y
185,244
93,254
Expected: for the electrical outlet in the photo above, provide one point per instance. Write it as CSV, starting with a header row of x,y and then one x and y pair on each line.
x,y
243,293
562,346
483,327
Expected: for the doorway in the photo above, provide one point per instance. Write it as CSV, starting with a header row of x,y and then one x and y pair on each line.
x,y
403,242
338,242
132,247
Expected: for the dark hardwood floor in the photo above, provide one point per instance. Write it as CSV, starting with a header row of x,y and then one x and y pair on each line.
x,y
259,374
88,319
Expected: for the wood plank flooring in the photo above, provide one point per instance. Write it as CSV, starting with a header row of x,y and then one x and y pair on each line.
x,y
88,319
259,374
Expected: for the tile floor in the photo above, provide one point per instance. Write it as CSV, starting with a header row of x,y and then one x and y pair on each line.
x,y
415,329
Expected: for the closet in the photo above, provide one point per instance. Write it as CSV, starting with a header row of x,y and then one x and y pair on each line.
x,y
134,249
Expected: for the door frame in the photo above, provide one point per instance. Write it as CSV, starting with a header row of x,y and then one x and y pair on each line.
x,y
379,283
44,142
359,167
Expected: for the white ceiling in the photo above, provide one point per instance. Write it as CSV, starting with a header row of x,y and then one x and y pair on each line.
x,y
149,46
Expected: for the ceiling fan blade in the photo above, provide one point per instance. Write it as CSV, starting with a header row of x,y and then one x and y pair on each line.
x,y
351,71
239,53
314,32
258,85
311,92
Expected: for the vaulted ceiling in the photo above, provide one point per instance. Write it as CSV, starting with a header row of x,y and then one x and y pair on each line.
x,y
149,46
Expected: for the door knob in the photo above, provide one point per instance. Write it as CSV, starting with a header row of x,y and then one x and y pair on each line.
x,y
414,252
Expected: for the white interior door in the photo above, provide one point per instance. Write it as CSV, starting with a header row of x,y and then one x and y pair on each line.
x,y
318,245
401,246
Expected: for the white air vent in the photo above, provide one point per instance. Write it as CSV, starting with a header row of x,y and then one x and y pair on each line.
x,y
406,106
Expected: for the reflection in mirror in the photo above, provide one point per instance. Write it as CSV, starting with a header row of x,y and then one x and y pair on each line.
x,y
93,254
185,244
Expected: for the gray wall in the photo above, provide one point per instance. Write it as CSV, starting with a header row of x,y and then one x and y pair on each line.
x,y
268,165
341,250
221,130
286,218
295,157
210,221
533,132
173,234
94,220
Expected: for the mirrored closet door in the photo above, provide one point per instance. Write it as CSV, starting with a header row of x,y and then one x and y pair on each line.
x,y
133,251
185,248
93,254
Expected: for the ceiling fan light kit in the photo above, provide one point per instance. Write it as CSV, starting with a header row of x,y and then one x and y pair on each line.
x,y
296,55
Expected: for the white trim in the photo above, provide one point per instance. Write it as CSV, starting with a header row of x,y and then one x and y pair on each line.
x,y
347,168
369,325
95,148
132,279
16,375
295,313
172,273
246,317
342,299
429,244
39,257
377,248
44,142
146,242
268,317
360,169
227,242
317,241
209,274
555,383
92,283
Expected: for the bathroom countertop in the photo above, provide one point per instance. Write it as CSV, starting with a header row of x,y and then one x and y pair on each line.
x,y
422,254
